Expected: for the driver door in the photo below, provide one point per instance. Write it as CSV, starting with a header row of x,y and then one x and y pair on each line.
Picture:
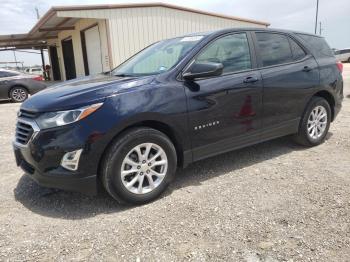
x,y
224,112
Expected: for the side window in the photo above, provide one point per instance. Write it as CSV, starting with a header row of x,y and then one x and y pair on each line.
x,y
7,74
232,51
318,44
297,51
274,49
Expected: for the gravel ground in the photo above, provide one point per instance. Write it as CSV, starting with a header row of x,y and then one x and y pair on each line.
x,y
275,201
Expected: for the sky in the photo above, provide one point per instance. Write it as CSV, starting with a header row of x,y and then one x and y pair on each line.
x,y
19,16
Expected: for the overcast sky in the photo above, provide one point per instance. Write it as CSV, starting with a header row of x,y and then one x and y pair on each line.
x,y
19,16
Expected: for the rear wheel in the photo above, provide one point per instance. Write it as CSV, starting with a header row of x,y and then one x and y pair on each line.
x,y
18,94
315,123
139,166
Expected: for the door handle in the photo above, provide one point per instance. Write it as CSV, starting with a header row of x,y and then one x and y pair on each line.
x,y
250,79
307,69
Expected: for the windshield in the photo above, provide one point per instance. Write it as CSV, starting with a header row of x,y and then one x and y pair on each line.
x,y
157,58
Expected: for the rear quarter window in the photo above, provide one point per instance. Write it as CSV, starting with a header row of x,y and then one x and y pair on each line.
x,y
318,45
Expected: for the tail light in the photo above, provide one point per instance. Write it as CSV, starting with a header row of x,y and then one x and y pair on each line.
x,y
340,67
38,78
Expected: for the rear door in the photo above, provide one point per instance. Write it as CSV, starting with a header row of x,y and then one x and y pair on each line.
x,y
6,79
3,85
225,111
289,76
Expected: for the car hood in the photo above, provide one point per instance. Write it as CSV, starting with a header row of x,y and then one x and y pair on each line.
x,y
82,91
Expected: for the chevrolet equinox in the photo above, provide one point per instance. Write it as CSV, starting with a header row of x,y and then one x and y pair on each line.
x,y
175,102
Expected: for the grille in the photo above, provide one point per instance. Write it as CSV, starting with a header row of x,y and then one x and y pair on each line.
x,y
27,114
24,132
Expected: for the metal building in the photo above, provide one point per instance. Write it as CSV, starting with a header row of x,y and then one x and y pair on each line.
x,y
84,40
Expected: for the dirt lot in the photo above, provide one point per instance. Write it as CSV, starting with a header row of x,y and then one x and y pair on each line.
x,y
275,201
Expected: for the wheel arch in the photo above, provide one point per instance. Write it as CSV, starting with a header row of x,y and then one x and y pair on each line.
x,y
16,85
161,126
329,98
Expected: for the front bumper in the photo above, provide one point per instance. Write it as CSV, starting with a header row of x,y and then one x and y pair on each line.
x,y
57,178
40,157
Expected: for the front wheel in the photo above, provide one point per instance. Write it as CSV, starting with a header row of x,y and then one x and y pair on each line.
x,y
315,123
139,166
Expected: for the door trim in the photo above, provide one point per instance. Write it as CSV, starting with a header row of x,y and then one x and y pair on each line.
x,y
83,48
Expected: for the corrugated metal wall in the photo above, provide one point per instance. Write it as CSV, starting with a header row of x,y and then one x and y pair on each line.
x,y
132,29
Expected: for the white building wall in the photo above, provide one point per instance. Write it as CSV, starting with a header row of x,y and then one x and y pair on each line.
x,y
132,29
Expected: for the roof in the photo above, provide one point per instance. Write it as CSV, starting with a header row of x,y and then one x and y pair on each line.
x,y
50,23
9,71
22,41
238,29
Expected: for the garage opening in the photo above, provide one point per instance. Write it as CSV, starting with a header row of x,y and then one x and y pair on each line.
x,y
91,45
54,63
68,57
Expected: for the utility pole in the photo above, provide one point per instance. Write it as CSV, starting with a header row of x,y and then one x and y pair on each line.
x,y
37,13
316,16
14,54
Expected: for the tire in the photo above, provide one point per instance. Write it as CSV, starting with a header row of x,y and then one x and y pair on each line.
x,y
18,94
115,162
349,60
312,132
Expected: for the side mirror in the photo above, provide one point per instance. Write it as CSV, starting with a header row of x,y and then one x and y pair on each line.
x,y
203,70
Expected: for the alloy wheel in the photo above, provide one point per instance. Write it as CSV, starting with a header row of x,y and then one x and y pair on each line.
x,y
144,168
19,94
317,122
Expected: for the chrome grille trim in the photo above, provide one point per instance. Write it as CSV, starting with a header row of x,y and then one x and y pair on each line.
x,y
26,130
27,114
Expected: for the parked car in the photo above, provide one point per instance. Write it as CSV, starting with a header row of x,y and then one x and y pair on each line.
x,y
17,86
343,55
34,71
175,102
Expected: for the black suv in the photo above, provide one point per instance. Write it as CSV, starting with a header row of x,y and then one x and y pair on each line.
x,y
176,102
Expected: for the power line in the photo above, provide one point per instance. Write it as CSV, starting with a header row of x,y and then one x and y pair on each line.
x,y
321,28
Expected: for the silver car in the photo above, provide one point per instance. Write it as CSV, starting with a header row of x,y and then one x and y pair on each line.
x,y
18,86
343,55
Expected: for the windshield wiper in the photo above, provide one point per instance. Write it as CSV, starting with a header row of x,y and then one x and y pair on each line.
x,y
122,75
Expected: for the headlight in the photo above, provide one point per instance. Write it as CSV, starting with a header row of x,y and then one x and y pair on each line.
x,y
61,118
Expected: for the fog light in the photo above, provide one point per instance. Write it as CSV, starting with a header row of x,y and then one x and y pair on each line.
x,y
70,160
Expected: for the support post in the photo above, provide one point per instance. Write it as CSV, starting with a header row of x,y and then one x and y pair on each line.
x,y
43,62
